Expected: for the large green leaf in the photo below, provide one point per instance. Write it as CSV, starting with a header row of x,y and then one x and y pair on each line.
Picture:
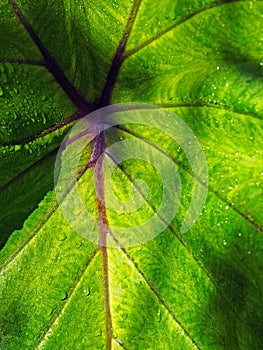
x,y
202,60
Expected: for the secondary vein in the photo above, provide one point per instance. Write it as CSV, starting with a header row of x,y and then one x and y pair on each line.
x,y
39,63
210,105
20,249
64,303
176,24
173,231
52,66
70,120
118,341
155,292
186,169
27,170
118,58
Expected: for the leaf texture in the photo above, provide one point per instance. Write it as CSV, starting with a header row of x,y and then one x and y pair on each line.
x,y
61,60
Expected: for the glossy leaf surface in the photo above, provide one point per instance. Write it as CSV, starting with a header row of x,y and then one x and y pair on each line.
x,y
202,60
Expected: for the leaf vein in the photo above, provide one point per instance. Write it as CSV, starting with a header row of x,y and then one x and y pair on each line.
x,y
177,24
210,189
119,342
173,231
52,66
210,105
77,115
118,58
44,336
38,63
156,293
19,250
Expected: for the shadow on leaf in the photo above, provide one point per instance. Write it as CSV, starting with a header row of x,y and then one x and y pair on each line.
x,y
234,316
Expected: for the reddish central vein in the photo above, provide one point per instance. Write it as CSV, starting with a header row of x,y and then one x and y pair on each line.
x,y
98,152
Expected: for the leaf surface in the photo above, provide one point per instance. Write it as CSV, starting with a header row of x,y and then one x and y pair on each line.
x,y
201,289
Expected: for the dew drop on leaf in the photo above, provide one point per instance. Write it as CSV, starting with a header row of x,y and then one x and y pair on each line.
x,y
86,292
62,295
30,335
61,236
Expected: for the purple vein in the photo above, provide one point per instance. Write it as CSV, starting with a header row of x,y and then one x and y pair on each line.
x,y
99,147
65,302
176,24
186,169
52,66
118,58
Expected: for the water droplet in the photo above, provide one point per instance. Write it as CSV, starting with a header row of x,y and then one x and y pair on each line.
x,y
159,315
86,292
61,236
30,335
77,209
61,295
226,207
1,91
